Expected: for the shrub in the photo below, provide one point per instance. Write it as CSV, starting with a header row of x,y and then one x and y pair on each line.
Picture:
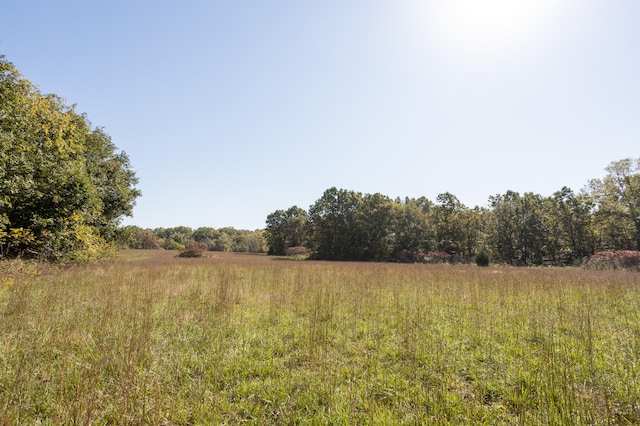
x,y
411,256
417,256
460,258
296,251
194,249
482,258
172,244
437,257
145,239
620,259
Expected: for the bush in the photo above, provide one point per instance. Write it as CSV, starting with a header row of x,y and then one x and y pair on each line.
x,y
611,260
437,257
296,251
417,256
145,239
482,258
411,256
172,244
194,249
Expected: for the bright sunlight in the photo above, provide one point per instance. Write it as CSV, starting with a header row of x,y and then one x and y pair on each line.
x,y
490,29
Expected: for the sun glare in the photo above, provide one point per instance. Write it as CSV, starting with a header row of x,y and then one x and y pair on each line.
x,y
486,29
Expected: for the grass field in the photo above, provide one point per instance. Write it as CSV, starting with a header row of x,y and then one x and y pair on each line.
x,y
235,339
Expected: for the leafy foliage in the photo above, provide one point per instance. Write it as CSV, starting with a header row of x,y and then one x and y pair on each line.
x,y
63,184
138,238
174,238
482,258
177,238
617,196
296,251
286,229
194,249
334,232
517,229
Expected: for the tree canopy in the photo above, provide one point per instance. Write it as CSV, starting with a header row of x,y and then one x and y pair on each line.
x,y
178,238
64,186
517,229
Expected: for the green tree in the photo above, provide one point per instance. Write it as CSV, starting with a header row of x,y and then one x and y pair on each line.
x,y
472,230
447,215
518,233
457,227
504,226
333,224
617,198
174,238
569,222
254,242
533,233
374,226
286,228
206,235
411,229
224,242
139,238
63,185
112,179
276,232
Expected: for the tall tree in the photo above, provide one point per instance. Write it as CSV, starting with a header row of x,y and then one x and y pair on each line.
x,y
333,224
471,230
447,216
205,234
618,204
518,231
285,229
374,228
504,226
111,177
569,222
63,185
139,238
411,229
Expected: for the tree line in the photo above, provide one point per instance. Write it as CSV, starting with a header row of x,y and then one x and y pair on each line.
x,y
178,238
516,229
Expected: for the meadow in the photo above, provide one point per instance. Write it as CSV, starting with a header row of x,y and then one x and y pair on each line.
x,y
250,339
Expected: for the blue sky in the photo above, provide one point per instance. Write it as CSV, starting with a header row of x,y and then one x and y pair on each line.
x,y
232,110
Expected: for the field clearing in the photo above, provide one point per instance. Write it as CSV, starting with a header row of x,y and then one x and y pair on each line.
x,y
249,339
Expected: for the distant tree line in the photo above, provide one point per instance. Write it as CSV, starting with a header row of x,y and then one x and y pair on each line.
x,y
516,229
178,238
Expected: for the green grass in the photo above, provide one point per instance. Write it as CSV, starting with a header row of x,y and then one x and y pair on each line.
x,y
235,339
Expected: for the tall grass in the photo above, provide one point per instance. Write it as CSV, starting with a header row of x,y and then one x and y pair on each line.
x,y
248,339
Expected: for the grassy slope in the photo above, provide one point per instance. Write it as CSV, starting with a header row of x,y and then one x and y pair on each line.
x,y
238,338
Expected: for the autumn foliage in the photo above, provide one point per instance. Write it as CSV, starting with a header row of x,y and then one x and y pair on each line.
x,y
611,260
194,249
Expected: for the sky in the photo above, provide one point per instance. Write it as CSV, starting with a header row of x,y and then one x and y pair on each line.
x,y
231,110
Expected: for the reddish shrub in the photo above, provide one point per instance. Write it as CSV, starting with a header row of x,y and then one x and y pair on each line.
x,y
194,249
416,256
620,259
296,251
411,256
437,257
